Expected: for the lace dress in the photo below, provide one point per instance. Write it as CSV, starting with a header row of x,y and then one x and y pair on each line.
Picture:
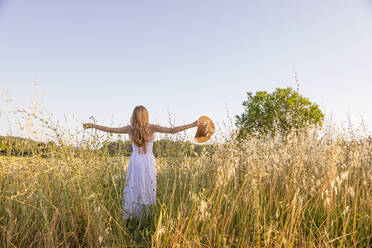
x,y
140,182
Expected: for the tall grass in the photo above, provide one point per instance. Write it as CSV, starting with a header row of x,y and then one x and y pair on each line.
x,y
303,191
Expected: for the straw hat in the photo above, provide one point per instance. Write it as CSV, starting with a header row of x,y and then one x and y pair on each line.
x,y
205,129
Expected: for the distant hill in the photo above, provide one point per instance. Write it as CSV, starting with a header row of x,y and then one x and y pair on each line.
x,y
162,148
18,146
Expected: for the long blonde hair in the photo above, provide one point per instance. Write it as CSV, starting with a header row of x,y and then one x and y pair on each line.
x,y
139,131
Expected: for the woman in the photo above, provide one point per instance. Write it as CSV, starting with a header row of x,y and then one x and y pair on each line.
x,y
140,183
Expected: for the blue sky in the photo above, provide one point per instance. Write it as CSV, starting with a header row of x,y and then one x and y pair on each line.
x,y
186,58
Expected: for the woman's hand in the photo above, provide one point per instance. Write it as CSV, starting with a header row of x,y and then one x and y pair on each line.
x,y
88,125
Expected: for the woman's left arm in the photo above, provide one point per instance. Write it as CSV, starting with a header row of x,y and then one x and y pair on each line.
x,y
160,129
107,129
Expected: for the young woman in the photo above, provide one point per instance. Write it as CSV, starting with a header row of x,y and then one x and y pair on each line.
x,y
140,183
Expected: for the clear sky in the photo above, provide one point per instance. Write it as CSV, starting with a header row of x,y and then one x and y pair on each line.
x,y
187,58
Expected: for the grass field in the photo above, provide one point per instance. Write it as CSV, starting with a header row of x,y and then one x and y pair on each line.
x,y
303,191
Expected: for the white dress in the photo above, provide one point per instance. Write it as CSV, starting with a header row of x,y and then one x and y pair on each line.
x,y
140,182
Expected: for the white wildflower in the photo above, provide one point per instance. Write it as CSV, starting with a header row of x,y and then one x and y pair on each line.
x,y
332,184
351,191
344,175
346,210
203,209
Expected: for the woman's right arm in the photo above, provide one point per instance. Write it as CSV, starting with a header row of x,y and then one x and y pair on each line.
x,y
117,130
161,129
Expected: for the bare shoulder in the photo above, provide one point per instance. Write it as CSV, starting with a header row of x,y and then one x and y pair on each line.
x,y
153,127
157,128
124,129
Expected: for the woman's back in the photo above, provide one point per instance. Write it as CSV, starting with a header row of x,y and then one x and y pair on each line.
x,y
140,150
147,147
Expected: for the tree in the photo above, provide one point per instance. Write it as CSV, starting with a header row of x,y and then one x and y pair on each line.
x,y
277,112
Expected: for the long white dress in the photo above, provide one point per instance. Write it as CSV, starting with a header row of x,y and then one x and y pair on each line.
x,y
140,182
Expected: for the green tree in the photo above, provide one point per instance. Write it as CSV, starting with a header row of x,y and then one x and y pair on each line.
x,y
277,112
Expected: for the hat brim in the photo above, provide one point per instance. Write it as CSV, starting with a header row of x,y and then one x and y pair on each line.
x,y
202,139
205,120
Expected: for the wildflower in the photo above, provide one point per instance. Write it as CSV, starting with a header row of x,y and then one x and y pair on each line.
x,y
344,175
160,231
332,184
203,209
351,191
346,210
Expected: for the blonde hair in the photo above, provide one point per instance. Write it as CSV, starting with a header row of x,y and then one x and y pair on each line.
x,y
139,131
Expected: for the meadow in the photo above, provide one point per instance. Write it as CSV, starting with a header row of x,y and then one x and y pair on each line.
x,y
305,190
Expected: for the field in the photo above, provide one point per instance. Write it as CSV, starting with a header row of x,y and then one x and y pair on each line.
x,y
305,190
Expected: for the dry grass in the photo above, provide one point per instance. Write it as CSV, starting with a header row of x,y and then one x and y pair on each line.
x,y
307,190
304,191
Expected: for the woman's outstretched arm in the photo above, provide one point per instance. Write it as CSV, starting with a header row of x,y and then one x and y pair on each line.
x,y
107,129
161,129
